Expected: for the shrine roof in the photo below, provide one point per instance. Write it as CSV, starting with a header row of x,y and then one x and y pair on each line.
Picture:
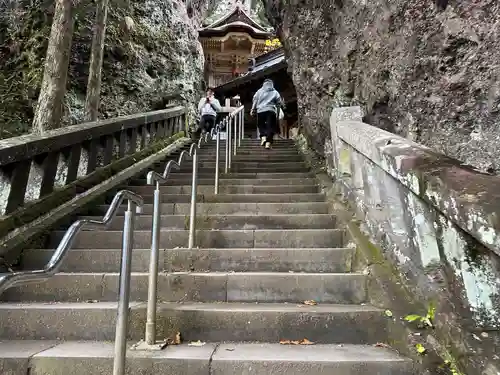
x,y
237,16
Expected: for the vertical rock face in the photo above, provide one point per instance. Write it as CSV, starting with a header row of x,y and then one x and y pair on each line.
x,y
152,52
427,70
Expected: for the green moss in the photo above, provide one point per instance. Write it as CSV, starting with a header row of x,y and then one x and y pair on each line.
x,y
398,294
33,210
23,39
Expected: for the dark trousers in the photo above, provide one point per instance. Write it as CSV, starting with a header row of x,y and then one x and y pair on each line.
x,y
267,123
207,122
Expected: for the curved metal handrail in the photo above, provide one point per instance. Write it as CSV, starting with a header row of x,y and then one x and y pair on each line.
x,y
8,280
154,177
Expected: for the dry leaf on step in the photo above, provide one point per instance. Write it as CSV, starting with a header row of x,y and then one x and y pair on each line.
x,y
310,303
196,343
304,341
382,345
174,339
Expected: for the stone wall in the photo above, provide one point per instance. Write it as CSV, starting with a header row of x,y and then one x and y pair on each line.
x,y
436,222
151,52
427,70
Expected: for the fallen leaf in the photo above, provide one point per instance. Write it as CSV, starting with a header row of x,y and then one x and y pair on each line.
x,y
304,341
196,343
382,345
310,303
420,349
230,349
174,339
388,313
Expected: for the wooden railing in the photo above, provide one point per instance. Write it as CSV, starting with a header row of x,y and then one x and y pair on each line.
x,y
32,167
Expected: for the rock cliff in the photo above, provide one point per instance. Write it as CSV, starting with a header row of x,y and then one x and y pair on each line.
x,y
151,52
427,70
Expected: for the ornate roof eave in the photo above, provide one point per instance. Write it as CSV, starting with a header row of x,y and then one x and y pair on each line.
x,y
237,9
234,27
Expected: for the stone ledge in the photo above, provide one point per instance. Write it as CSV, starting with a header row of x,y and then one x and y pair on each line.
x,y
27,146
469,198
31,221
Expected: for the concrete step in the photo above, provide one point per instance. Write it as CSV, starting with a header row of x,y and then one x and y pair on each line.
x,y
236,198
255,154
235,165
176,181
246,209
200,287
96,358
244,167
237,189
242,158
210,322
216,260
170,239
232,176
245,222
90,357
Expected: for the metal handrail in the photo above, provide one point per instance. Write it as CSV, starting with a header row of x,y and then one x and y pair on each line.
x,y
135,203
11,279
238,118
154,178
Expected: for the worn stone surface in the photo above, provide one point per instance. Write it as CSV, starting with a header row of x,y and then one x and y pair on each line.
x,y
313,360
426,73
152,52
438,259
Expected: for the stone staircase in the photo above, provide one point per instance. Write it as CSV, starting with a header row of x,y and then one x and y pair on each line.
x,y
267,243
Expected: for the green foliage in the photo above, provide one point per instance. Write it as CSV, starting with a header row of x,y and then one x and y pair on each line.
x,y
423,320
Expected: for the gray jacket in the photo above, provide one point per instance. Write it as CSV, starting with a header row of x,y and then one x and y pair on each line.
x,y
210,108
267,98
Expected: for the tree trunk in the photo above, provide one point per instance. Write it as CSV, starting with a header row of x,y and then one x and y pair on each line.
x,y
96,57
49,110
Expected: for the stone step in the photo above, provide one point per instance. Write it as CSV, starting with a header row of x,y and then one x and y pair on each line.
x,y
235,198
246,209
322,359
175,180
245,222
242,168
343,288
206,163
210,322
237,189
170,239
216,260
232,176
241,158
88,357
258,153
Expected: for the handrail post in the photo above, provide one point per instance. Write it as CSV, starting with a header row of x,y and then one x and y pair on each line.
x,y
192,219
226,167
230,140
217,158
236,124
150,335
124,291
243,123
241,126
